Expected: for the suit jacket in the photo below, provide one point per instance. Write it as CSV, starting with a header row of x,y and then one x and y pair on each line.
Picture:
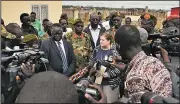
x,y
53,55
87,30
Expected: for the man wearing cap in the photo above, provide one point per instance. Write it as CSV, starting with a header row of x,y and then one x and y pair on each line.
x,y
94,30
115,23
4,33
5,36
148,22
81,44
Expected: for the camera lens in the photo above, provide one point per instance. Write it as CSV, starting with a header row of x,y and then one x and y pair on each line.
x,y
91,91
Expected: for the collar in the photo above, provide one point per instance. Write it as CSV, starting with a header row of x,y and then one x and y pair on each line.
x,y
25,27
61,42
77,36
99,27
36,21
138,56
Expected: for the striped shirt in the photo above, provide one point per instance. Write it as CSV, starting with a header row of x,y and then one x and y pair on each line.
x,y
113,72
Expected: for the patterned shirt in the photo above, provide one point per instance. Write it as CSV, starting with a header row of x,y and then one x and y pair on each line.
x,y
82,48
147,74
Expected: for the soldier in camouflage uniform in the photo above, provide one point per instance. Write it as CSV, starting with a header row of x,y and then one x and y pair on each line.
x,y
115,23
81,44
6,34
31,41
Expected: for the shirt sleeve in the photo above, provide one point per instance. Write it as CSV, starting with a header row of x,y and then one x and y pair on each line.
x,y
156,78
159,78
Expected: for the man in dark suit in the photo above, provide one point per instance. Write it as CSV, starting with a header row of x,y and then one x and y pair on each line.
x,y
94,30
59,52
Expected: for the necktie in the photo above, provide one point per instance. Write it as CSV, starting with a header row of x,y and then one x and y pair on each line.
x,y
64,60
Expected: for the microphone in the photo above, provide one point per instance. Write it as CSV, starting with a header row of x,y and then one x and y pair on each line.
x,y
168,36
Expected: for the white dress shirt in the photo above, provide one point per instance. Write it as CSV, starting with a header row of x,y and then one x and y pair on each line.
x,y
95,33
68,31
62,46
106,25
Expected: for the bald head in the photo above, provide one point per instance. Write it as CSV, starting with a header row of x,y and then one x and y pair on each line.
x,y
48,87
143,35
94,19
126,38
93,14
49,23
48,26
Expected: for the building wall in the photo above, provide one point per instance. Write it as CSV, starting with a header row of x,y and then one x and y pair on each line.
x,y
11,10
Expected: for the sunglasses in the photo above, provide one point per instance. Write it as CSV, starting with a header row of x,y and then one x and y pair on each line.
x,y
95,19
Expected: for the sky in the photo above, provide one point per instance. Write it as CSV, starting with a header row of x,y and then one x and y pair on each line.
x,y
165,5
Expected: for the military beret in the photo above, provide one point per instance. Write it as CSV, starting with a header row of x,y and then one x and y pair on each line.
x,y
29,37
6,34
147,16
77,21
116,14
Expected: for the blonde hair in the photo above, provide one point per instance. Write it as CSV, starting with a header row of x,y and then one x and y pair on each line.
x,y
108,37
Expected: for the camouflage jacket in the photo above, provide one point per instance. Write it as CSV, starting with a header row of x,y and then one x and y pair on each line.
x,y
44,37
6,34
82,48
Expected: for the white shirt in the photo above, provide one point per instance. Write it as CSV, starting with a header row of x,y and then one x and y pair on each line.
x,y
95,33
68,31
106,25
62,46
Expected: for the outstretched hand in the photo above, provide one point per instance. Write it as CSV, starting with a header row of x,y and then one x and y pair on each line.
x,y
28,69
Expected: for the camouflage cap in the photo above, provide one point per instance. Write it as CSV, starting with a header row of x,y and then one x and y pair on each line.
x,y
29,37
6,34
77,21
116,14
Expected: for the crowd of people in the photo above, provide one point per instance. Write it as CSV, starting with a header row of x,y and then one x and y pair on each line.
x,y
131,73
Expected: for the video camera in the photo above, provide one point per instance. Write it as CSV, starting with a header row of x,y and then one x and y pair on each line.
x,y
151,98
169,42
11,71
83,88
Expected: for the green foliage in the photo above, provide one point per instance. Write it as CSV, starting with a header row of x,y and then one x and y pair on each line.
x,y
70,22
